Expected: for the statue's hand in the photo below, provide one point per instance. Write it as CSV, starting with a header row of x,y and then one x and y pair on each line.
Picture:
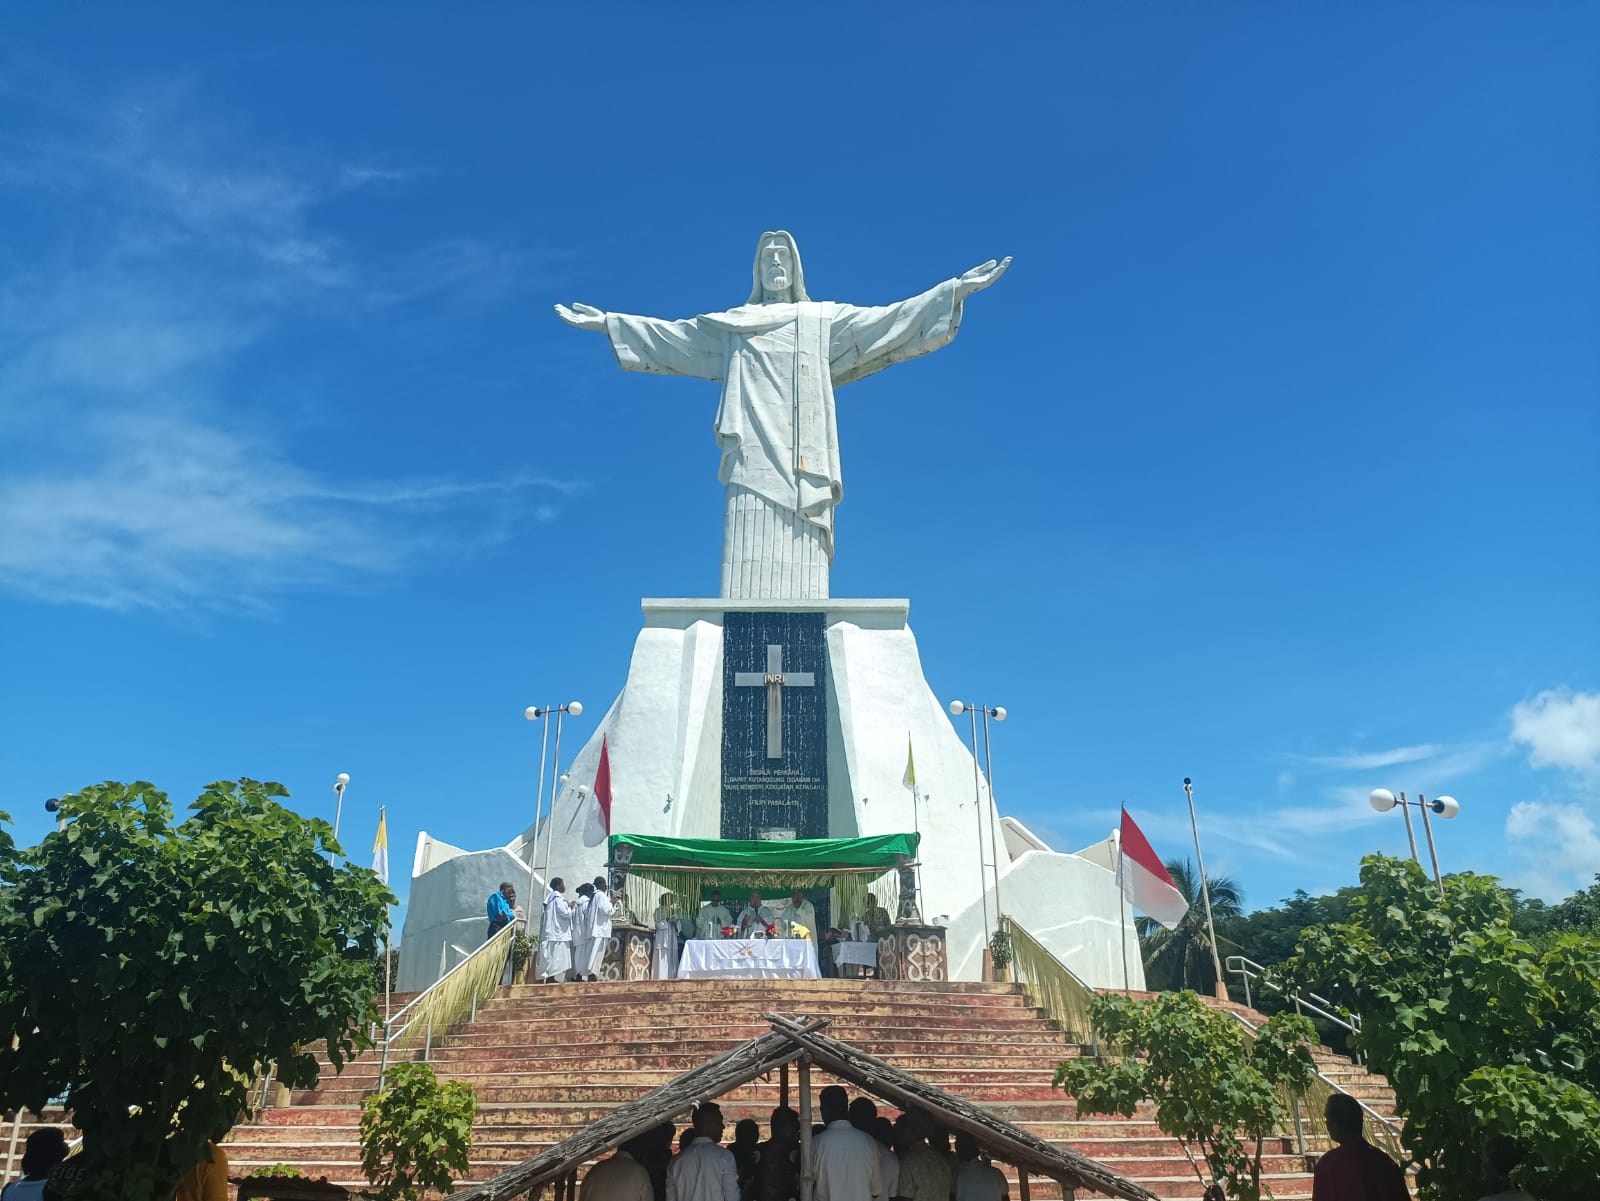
x,y
585,316
980,277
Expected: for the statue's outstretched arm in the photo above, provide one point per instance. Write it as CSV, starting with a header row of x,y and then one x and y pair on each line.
x,y
586,316
980,277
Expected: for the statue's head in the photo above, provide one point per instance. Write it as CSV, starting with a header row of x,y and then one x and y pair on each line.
x,y
778,275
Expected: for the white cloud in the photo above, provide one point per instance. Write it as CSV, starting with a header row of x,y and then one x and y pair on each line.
x,y
1560,728
1370,760
1558,844
136,479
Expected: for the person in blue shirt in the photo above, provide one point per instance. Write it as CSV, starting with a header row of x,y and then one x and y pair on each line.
x,y
502,909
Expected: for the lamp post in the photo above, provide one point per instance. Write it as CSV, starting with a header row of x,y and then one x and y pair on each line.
x,y
340,782
1383,800
537,713
957,708
1205,891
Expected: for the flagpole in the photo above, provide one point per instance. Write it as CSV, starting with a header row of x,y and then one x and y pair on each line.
x,y
1122,910
1221,989
916,822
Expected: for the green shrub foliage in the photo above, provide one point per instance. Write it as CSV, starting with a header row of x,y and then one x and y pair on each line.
x,y
153,969
1215,1090
1480,1031
416,1133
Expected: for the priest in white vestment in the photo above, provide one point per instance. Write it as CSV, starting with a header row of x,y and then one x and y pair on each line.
x,y
581,936
798,911
779,356
601,910
714,916
555,933
756,919
664,956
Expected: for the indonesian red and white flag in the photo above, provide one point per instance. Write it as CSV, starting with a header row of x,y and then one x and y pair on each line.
x,y
1145,881
597,826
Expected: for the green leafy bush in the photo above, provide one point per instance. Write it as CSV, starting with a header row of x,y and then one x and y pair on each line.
x,y
1480,1031
152,970
416,1133
1216,1091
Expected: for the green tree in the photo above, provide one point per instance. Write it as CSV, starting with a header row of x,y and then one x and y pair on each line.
x,y
416,1133
1217,1091
1479,1031
1181,958
153,969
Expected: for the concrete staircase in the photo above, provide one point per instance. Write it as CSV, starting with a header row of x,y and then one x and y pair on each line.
x,y
546,1060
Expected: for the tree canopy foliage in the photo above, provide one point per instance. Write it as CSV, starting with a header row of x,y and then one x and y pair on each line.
x,y
1216,1090
152,969
1181,958
1480,1031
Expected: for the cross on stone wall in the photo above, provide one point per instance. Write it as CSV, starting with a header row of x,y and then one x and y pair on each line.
x,y
775,681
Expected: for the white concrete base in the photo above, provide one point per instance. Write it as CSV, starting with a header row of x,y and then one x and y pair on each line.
x,y
665,737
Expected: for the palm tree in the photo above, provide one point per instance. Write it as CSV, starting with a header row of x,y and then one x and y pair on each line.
x,y
1181,958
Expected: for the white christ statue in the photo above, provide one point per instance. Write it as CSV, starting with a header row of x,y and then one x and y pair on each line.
x,y
779,357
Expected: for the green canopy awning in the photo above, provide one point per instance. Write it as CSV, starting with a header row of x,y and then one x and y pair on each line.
x,y
875,854
688,868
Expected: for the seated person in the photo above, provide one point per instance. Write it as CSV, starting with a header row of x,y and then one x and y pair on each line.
x,y
713,917
756,920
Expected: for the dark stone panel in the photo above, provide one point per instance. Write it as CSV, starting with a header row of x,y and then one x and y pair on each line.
x,y
790,792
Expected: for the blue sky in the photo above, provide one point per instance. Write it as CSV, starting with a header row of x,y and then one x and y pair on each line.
x,y
1272,461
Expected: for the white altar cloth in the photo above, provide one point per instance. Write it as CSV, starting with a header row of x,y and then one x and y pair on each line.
x,y
748,958
863,954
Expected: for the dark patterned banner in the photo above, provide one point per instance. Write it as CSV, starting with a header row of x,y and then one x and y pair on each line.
x,y
774,725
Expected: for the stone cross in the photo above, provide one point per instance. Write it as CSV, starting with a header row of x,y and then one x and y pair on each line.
x,y
775,681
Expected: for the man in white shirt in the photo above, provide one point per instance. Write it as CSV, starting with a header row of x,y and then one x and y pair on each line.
x,y
977,1181
601,909
555,935
703,1171
845,1159
755,918
623,1177
714,916
799,912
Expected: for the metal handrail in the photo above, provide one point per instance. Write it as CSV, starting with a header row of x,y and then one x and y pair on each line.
x,y
1389,1134
1050,984
1239,966
453,997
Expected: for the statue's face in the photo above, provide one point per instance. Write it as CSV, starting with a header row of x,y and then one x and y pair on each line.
x,y
777,269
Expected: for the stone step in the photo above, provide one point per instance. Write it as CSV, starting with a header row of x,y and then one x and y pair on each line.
x,y
671,1015
621,1059
491,1090
719,1027
786,989
1146,1135
1170,1179
515,1143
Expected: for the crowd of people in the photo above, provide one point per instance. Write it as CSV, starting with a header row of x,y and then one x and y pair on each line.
x,y
858,1155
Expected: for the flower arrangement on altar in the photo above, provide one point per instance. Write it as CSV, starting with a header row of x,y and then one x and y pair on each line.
x,y
796,930
728,932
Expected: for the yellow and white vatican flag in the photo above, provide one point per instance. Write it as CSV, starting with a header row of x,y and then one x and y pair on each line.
x,y
380,846
910,780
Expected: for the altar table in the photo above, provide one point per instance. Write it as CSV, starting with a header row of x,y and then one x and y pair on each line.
x,y
748,958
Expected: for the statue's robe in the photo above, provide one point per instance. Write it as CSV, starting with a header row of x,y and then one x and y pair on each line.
x,y
779,365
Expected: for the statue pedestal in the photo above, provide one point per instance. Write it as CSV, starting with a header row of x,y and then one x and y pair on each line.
x,y
913,953
628,953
